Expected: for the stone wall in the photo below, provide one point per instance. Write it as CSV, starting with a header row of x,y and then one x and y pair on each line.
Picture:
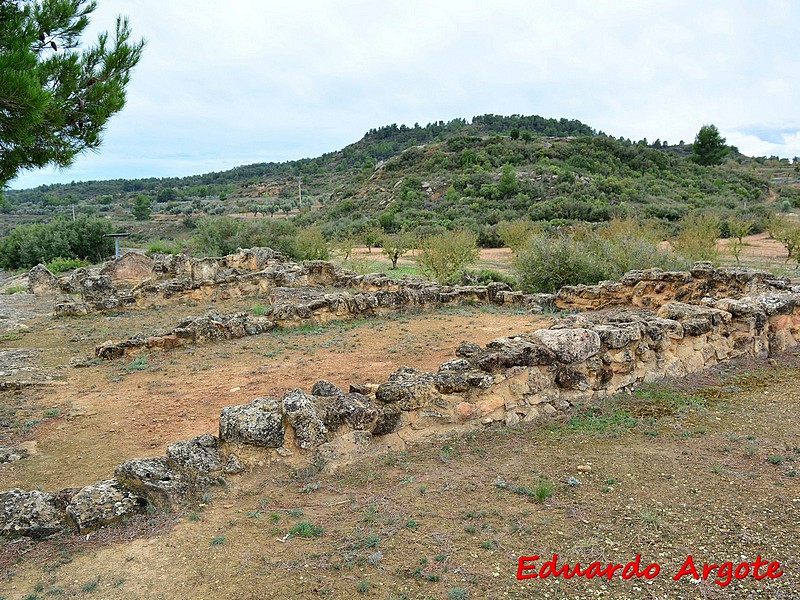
x,y
137,281
320,291
580,359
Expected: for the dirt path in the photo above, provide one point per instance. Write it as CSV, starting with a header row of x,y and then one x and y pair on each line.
x,y
114,411
715,476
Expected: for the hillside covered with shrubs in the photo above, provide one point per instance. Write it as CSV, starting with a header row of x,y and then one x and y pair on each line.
x,y
543,187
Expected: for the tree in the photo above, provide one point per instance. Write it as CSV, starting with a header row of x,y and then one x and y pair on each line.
x,y
310,244
443,255
142,207
709,147
697,239
371,236
55,100
515,234
738,227
508,184
394,245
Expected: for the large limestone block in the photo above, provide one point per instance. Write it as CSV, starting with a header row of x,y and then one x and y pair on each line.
x,y
102,503
569,345
31,514
259,423
154,480
301,414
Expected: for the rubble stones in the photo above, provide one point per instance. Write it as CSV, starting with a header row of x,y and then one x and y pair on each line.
x,y
154,480
357,411
41,281
570,345
30,514
259,423
199,456
325,388
131,266
408,389
301,414
101,503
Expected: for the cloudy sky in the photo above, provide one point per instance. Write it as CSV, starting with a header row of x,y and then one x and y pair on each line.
x,y
229,83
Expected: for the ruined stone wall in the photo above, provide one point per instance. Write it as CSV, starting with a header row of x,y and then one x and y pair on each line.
x,y
137,281
579,359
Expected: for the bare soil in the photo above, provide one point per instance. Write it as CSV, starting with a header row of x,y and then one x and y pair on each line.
x,y
706,467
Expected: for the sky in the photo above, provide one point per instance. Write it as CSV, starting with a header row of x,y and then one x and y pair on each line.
x,y
223,84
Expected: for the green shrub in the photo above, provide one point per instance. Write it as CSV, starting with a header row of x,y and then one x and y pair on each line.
x,y
487,276
163,247
442,256
59,264
515,234
217,236
698,237
27,245
550,261
311,245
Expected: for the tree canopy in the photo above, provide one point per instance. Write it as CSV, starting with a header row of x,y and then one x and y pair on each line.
x,y
709,146
56,94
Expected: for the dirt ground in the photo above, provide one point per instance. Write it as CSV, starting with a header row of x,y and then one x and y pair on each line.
x,y
704,467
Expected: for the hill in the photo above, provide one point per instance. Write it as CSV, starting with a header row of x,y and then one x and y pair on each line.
x,y
455,174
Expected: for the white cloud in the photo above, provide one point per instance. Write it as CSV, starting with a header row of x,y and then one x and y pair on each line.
x,y
251,81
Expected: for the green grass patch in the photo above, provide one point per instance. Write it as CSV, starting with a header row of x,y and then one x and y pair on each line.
x,y
305,529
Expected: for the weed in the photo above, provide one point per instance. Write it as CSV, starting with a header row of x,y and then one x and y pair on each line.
x,y
194,516
362,587
217,540
370,514
14,289
90,585
457,593
305,529
411,524
599,419
310,487
440,557
257,309
716,469
543,490
274,517
750,449
295,512
51,412
253,514
396,459
117,582
59,265
446,453
371,540
137,364
775,459
650,517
